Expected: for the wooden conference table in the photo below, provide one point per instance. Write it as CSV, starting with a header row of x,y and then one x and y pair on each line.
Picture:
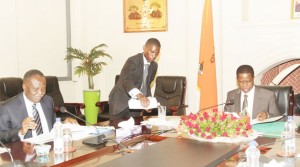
x,y
94,156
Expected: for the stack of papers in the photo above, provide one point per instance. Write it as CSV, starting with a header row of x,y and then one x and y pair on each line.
x,y
86,131
78,132
174,122
272,129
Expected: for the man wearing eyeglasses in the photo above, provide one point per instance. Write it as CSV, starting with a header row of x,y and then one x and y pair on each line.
x,y
134,82
249,99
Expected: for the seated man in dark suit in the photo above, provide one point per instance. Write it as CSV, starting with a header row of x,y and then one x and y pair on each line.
x,y
29,113
248,99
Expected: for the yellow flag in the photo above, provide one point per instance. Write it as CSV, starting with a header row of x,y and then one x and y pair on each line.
x,y
207,65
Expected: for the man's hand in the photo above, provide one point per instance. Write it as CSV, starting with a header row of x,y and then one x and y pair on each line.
x,y
27,123
71,121
262,116
144,100
28,148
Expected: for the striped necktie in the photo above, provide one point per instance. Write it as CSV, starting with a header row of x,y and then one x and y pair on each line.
x,y
35,113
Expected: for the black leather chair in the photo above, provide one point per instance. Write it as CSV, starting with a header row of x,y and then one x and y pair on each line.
x,y
104,107
284,98
10,87
170,92
52,89
297,104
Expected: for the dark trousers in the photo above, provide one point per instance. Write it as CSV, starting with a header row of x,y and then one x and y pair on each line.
x,y
125,114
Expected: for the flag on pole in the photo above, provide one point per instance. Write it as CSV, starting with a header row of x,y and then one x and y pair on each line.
x,y
207,66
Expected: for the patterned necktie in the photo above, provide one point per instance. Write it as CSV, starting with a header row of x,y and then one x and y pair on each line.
x,y
35,113
144,84
245,103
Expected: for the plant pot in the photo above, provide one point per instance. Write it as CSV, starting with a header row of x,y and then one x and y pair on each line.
x,y
91,97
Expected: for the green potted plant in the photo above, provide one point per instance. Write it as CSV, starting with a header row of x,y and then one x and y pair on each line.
x,y
90,65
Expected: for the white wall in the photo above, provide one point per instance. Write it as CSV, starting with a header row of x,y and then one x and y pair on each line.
x,y
180,45
246,31
262,35
33,35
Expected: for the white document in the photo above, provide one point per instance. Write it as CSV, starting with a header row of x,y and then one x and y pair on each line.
x,y
40,139
136,104
255,121
78,132
86,131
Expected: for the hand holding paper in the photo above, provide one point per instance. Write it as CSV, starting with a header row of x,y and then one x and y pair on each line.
x,y
136,104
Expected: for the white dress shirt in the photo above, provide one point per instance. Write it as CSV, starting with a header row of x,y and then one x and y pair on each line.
x,y
250,100
28,105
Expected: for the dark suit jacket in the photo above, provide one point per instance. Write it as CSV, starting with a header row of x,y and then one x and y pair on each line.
x,y
264,100
13,112
131,77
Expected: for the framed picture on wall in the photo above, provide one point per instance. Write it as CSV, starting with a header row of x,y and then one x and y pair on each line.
x,y
295,9
145,15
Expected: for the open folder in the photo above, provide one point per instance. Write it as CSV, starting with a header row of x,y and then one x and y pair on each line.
x,y
136,104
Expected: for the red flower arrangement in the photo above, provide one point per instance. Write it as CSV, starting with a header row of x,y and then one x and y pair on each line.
x,y
209,125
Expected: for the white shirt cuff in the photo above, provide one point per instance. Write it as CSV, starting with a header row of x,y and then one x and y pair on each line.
x,y
21,136
134,92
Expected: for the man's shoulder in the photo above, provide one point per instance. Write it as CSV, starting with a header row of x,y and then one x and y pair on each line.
x,y
13,100
263,90
47,98
234,91
137,56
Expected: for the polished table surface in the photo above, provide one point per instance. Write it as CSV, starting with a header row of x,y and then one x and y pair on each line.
x,y
24,152
94,156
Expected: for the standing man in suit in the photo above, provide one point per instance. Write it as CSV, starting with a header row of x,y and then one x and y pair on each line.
x,y
257,102
131,84
17,113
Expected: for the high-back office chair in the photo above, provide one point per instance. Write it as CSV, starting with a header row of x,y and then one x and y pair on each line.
x,y
297,104
10,87
170,92
284,98
52,89
103,114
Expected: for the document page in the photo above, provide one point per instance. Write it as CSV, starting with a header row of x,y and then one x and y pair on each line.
x,y
78,132
255,121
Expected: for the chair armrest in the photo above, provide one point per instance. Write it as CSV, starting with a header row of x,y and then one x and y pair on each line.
x,y
77,107
103,106
73,107
174,109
